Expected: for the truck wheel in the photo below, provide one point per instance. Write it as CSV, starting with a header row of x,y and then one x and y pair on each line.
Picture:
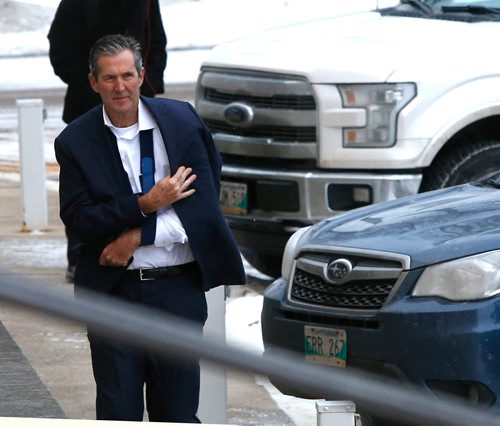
x,y
464,164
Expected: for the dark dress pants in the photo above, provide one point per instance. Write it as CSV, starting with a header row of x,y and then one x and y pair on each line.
x,y
121,372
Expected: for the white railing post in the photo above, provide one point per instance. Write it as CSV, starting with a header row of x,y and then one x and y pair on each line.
x,y
213,392
32,164
337,413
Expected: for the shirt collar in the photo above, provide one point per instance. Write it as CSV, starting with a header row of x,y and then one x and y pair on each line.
x,y
145,118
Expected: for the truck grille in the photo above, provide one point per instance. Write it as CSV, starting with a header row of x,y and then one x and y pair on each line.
x,y
277,133
280,120
275,101
368,286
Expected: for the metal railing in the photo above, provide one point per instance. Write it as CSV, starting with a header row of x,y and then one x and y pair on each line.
x,y
172,336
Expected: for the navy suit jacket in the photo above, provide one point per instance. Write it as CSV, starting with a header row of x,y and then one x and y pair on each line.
x,y
97,203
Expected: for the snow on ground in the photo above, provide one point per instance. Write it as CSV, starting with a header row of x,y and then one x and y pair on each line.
x,y
188,23
192,27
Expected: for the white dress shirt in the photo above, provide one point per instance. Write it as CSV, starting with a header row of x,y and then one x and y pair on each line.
x,y
171,246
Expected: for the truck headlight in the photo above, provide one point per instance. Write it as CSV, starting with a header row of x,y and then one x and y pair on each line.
x,y
382,103
290,252
471,278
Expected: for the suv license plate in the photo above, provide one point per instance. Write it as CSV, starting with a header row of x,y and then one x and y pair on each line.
x,y
233,198
325,345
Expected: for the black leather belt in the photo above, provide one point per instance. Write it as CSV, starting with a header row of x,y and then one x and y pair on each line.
x,y
151,274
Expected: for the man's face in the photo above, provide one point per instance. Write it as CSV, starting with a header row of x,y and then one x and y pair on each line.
x,y
119,83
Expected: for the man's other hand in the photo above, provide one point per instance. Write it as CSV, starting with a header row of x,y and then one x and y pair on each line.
x,y
119,251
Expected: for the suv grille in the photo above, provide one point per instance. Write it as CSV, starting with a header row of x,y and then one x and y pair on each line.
x,y
355,295
367,287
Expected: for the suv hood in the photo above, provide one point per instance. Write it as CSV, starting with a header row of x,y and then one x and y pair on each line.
x,y
430,228
362,47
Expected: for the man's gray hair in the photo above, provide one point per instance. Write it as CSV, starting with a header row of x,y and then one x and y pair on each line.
x,y
111,45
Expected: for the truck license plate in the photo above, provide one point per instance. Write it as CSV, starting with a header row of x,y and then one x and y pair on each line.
x,y
234,198
325,345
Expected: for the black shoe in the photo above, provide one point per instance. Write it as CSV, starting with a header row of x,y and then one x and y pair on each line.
x,y
70,274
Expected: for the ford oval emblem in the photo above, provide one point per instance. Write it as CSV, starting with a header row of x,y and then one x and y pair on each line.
x,y
238,114
338,270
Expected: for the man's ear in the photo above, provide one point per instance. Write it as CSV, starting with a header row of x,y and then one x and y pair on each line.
x,y
141,76
93,82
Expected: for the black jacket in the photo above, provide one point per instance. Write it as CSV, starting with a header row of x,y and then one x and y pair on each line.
x,y
78,24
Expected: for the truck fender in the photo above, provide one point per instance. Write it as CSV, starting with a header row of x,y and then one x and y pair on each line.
x,y
452,111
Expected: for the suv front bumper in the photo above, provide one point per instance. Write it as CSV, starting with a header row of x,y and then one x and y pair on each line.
x,y
434,344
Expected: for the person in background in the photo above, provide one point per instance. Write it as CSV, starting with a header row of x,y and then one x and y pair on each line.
x,y
158,242
77,25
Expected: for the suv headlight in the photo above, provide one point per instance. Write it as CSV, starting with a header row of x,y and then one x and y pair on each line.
x,y
471,278
290,252
382,103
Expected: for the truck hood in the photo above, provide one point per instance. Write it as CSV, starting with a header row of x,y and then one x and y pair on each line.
x,y
430,228
362,47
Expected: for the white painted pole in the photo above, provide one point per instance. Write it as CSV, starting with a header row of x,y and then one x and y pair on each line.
x,y
32,162
213,393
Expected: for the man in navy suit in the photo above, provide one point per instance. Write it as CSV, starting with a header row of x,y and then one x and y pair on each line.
x,y
77,25
162,246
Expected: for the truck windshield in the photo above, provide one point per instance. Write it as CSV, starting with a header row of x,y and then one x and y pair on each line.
x,y
420,5
447,9
438,4
470,8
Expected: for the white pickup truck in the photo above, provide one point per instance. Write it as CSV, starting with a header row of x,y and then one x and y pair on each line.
x,y
324,116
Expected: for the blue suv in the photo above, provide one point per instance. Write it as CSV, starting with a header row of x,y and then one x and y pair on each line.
x,y
407,288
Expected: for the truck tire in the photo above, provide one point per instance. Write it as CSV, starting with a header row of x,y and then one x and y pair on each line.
x,y
266,264
467,163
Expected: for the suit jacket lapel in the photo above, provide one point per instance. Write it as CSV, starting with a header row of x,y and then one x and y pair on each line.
x,y
168,129
107,156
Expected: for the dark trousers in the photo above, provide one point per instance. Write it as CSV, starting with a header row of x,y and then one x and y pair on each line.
x,y
121,372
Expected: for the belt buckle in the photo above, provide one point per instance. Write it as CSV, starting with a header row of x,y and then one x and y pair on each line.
x,y
142,277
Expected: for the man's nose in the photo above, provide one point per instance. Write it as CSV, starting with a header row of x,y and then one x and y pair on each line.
x,y
119,85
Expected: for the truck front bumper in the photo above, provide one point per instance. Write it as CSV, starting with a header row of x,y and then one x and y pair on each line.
x,y
280,202
311,196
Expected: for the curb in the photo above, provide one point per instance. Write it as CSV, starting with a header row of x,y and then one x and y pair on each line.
x,y
55,95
